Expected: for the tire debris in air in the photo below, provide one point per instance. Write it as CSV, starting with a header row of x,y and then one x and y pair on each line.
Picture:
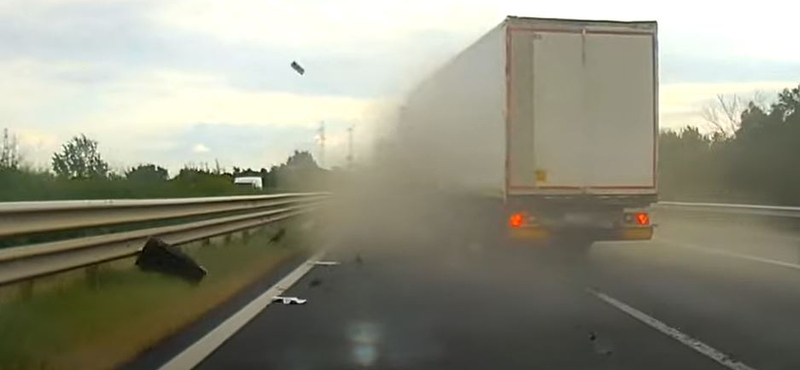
x,y
297,68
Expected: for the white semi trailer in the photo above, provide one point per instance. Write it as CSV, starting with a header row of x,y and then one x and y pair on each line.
x,y
554,120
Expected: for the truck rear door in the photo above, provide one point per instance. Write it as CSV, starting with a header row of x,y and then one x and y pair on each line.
x,y
583,119
559,114
620,115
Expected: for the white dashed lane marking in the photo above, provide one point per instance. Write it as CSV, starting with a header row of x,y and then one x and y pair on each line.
x,y
671,332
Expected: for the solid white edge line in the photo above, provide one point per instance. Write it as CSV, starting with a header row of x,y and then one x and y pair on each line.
x,y
671,332
198,351
731,254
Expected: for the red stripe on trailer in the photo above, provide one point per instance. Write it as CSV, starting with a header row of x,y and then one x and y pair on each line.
x,y
508,111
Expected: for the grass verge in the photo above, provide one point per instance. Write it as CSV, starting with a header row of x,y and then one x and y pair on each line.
x,y
124,311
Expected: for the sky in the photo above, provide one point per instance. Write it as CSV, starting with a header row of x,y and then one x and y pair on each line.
x,y
199,81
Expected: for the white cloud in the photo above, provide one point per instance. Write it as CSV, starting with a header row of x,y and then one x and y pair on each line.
x,y
200,148
36,146
162,99
26,88
152,98
695,27
328,24
125,115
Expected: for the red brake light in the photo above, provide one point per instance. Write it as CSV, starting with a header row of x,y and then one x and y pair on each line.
x,y
516,220
642,218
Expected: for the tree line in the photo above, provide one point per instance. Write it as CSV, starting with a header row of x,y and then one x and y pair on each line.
x,y
78,171
752,154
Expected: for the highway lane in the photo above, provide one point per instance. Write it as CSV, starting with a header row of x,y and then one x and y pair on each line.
x,y
443,296
774,238
746,308
429,306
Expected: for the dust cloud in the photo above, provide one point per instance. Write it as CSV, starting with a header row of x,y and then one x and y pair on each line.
x,y
394,201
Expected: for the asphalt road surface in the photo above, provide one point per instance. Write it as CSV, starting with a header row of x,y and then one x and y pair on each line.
x,y
700,296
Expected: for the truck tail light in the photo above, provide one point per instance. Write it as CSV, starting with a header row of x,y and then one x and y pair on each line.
x,y
638,218
642,218
516,220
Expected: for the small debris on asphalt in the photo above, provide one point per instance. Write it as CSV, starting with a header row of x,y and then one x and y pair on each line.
x,y
278,236
315,282
600,347
297,68
326,263
359,260
289,300
604,351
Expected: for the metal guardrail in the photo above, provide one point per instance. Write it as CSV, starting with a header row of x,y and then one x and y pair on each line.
x,y
745,209
223,215
30,261
29,217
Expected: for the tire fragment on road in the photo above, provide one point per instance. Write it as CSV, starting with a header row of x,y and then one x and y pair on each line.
x,y
289,300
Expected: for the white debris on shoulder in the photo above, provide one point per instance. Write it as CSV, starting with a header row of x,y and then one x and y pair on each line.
x,y
326,263
289,300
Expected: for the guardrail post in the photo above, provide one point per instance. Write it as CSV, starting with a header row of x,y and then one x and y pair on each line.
x,y
246,236
26,290
206,242
228,237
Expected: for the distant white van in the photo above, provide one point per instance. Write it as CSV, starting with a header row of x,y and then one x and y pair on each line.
x,y
252,181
